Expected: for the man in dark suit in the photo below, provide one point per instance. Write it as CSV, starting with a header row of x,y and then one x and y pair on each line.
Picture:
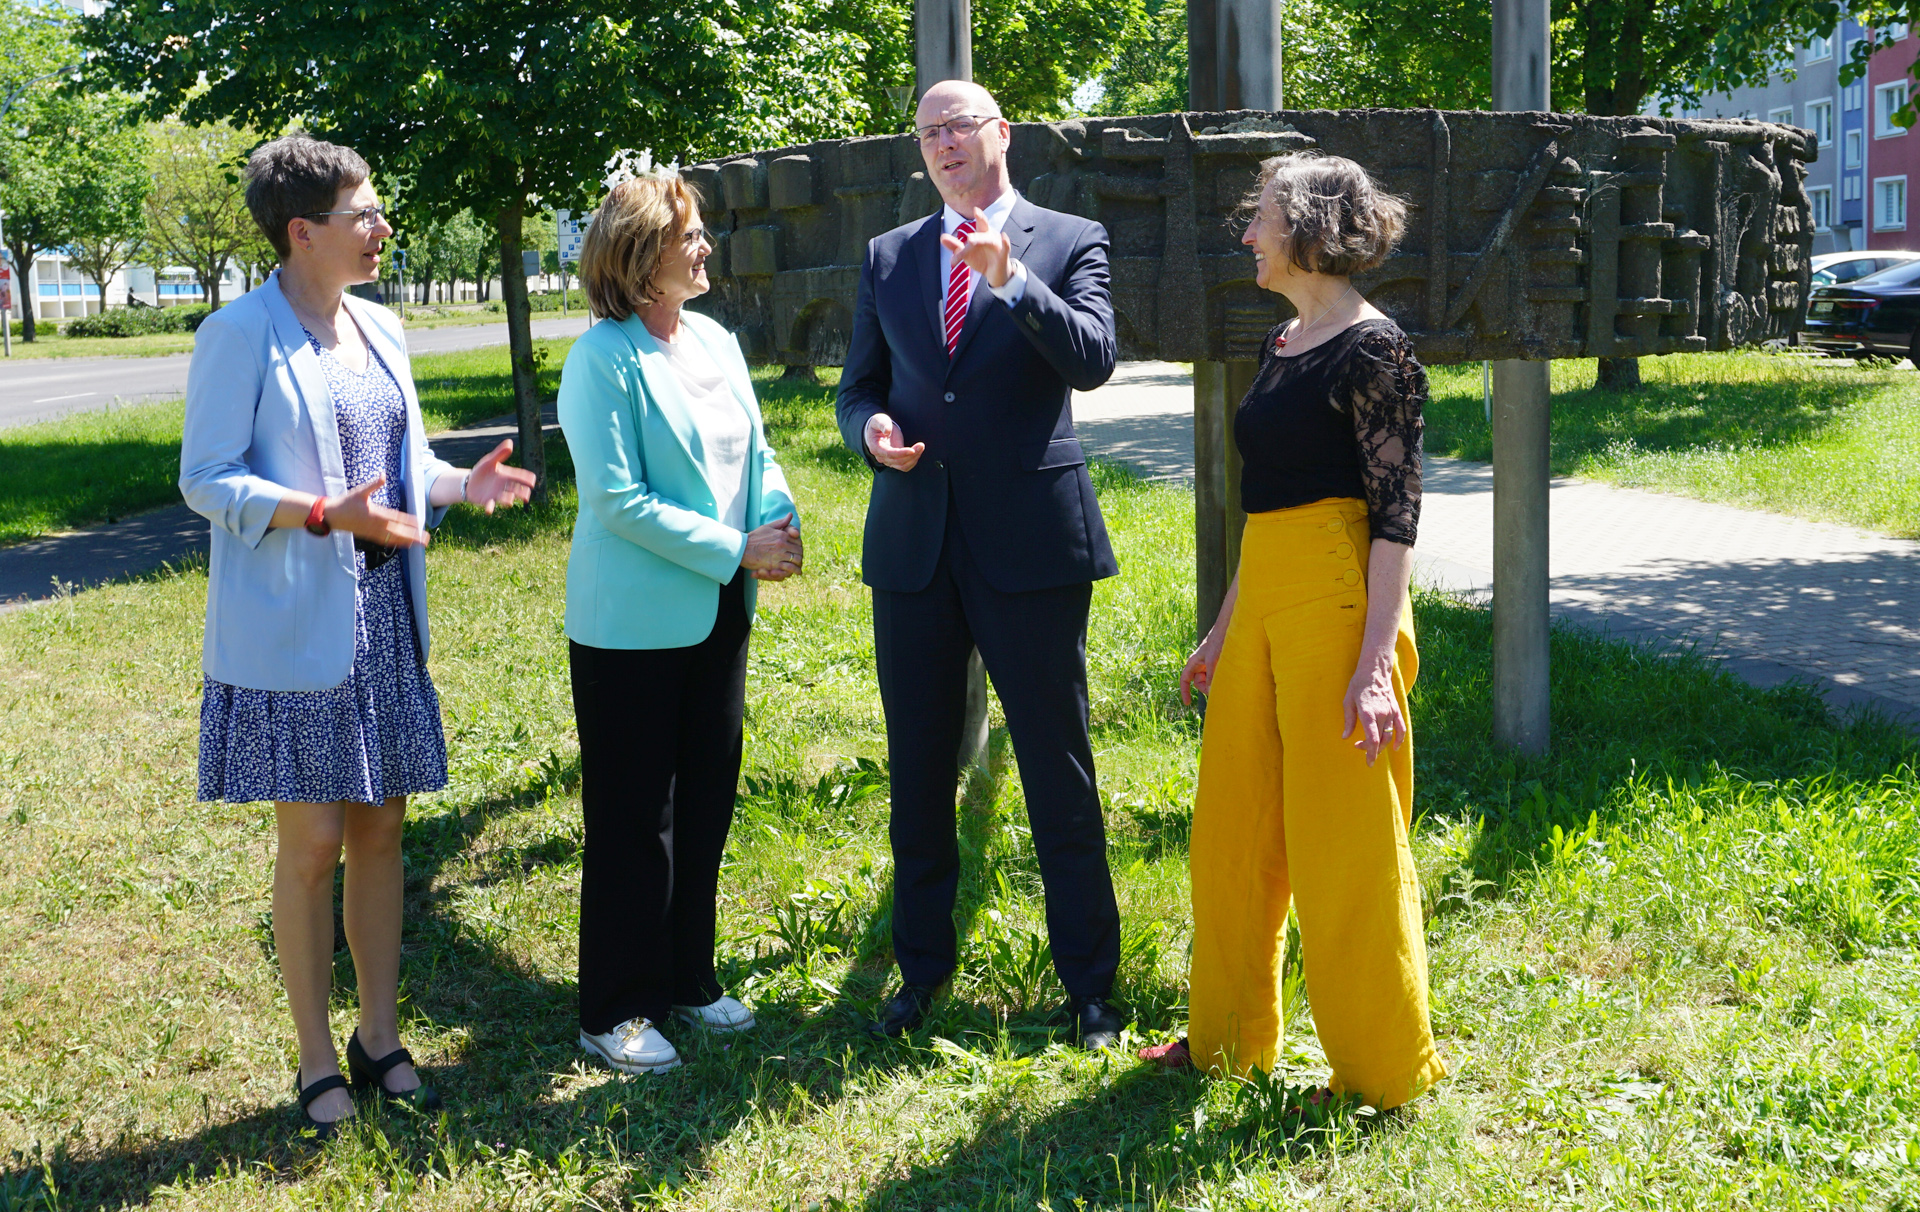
x,y
972,329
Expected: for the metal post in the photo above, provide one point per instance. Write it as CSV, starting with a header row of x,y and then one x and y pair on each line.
x,y
943,50
1233,57
1522,449
942,42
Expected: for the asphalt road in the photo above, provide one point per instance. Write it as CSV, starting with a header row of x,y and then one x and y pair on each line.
x,y
40,389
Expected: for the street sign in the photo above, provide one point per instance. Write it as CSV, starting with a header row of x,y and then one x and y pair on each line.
x,y
570,232
6,289
530,262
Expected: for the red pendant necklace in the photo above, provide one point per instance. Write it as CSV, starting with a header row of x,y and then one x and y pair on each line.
x,y
1280,342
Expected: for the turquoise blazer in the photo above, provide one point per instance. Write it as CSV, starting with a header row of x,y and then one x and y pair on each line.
x,y
649,551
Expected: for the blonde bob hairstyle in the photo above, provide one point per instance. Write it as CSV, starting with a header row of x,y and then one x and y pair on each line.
x,y
634,225
1339,221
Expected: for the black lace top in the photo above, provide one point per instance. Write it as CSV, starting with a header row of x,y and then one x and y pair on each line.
x,y
1342,419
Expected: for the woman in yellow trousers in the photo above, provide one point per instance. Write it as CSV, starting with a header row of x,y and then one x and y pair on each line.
x,y
1306,770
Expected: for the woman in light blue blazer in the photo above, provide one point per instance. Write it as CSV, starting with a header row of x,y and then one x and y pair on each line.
x,y
682,509
304,449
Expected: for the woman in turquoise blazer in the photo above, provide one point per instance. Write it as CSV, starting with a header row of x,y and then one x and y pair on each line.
x,y
682,509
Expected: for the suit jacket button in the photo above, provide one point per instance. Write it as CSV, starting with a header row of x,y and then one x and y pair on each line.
x,y
949,397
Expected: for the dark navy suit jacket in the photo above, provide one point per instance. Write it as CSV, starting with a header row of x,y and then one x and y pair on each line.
x,y
996,417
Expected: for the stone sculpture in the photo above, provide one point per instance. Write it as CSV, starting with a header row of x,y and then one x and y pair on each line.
x,y
1529,235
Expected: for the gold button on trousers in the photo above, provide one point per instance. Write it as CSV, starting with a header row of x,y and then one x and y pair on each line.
x,y
1289,812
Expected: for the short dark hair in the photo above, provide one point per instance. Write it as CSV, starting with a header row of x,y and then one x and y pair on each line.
x,y
294,176
1340,221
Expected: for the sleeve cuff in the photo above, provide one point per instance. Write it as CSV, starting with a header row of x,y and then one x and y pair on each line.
x,y
1014,288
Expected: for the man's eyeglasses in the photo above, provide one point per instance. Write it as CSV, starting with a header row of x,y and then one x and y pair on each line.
x,y
368,215
962,126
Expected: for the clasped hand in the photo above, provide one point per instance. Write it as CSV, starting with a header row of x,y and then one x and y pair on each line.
x,y
774,551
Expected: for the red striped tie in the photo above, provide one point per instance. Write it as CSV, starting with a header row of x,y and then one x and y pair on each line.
x,y
957,294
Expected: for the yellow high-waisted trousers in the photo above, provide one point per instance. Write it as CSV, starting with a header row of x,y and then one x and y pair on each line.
x,y
1289,810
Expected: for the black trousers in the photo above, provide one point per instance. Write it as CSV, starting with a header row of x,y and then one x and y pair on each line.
x,y
1034,646
660,734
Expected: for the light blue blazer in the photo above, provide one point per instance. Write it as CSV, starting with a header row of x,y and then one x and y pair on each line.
x,y
649,551
260,421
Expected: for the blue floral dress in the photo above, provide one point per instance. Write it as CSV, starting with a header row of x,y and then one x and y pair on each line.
x,y
377,734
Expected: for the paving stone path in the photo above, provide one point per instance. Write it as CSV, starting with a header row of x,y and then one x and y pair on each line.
x,y
1774,596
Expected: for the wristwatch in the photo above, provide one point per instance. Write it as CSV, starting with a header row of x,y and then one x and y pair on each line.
x,y
317,523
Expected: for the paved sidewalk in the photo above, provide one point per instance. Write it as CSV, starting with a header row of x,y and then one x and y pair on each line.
x,y
46,568
1774,596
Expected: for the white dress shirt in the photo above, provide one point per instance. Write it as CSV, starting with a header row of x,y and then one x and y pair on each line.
x,y
1015,287
725,431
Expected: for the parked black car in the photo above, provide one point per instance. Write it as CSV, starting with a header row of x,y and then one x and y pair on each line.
x,y
1878,314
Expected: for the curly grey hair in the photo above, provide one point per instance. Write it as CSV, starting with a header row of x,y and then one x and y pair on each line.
x,y
1341,222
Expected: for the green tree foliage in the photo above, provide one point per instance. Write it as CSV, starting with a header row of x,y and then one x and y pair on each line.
x,y
1761,34
197,213
35,53
103,193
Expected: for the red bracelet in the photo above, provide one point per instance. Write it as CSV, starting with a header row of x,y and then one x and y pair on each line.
x,y
317,518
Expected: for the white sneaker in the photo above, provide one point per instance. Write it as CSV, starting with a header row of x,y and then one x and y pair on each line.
x,y
633,1047
725,1015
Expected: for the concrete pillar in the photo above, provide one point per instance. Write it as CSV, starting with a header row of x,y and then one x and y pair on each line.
x,y
1233,62
1521,448
1522,50
942,43
943,50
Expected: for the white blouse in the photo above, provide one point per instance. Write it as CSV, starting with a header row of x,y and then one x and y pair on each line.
x,y
725,431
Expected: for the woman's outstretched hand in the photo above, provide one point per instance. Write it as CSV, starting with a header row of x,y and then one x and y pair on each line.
x,y
774,551
1372,709
492,482
1197,677
356,513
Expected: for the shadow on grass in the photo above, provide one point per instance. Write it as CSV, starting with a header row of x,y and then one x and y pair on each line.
x,y
63,484
1713,409
1620,711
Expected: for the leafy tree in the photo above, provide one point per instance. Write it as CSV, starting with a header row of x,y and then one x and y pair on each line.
x,y
197,212
35,54
462,105
103,193
1758,38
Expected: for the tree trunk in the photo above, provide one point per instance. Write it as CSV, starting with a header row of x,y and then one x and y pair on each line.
x,y
1619,374
22,261
526,394
210,287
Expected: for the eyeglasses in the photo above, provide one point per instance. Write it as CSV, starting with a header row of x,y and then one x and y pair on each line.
x,y
962,126
369,215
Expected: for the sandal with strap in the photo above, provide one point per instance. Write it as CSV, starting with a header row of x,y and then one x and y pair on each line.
x,y
368,1072
322,1129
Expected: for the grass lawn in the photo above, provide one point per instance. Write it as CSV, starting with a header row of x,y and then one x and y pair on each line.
x,y
1829,439
1674,964
98,466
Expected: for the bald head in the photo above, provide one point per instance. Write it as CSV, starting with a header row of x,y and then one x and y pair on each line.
x,y
967,165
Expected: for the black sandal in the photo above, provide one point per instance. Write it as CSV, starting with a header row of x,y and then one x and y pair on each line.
x,y
368,1072
321,1130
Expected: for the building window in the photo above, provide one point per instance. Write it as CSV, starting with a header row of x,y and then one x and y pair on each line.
x,y
1819,48
1895,32
1822,199
1850,188
1820,121
1853,149
1889,204
1783,115
1853,96
1888,100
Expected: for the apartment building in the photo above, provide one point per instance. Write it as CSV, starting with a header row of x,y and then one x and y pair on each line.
x,y
1858,185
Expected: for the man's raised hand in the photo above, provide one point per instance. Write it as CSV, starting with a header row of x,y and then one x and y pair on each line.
x,y
883,444
986,251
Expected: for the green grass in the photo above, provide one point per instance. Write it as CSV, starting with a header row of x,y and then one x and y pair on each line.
x,y
1673,964
51,342
1827,439
100,466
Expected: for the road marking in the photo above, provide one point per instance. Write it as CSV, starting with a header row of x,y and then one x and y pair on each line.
x,y
75,396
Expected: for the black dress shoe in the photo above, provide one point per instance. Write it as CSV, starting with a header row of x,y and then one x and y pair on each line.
x,y
372,1074
1098,1023
907,1010
322,1129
